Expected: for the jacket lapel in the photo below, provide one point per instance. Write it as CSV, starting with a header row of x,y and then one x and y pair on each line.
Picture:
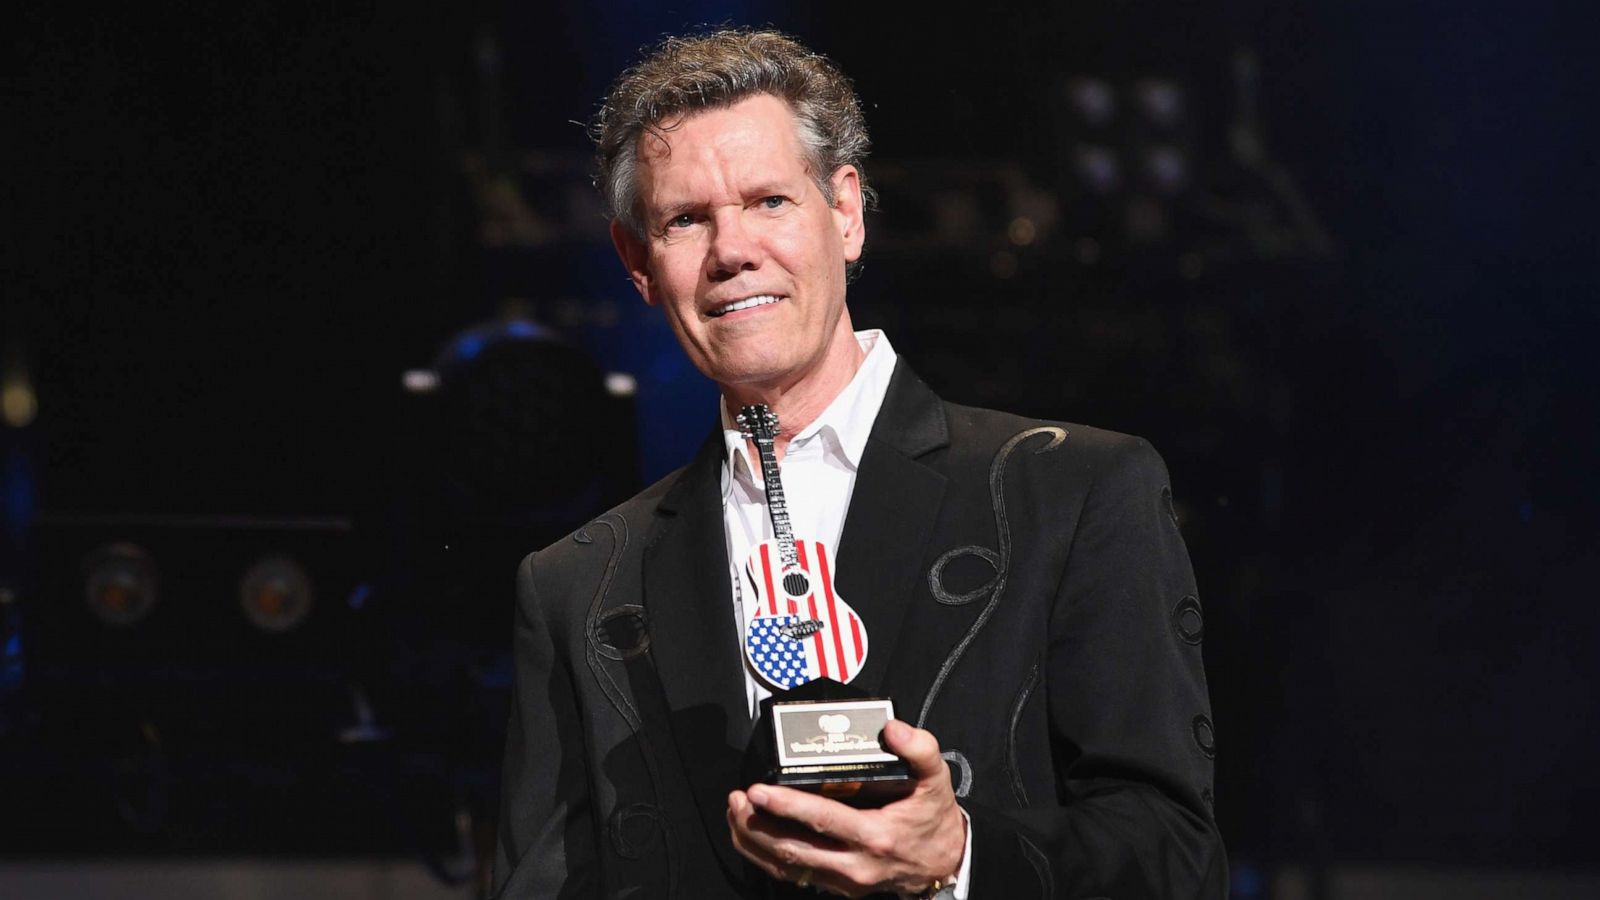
x,y
891,517
689,601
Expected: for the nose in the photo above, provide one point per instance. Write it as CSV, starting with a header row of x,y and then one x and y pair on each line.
x,y
733,249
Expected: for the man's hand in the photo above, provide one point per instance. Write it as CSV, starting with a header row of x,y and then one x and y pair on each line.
x,y
902,847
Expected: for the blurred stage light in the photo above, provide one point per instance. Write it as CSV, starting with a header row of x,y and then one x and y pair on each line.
x,y
420,381
120,584
276,594
1022,231
1160,101
18,403
621,384
1093,100
1097,168
1167,169
1128,161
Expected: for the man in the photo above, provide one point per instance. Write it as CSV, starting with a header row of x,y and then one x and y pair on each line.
x,y
1027,595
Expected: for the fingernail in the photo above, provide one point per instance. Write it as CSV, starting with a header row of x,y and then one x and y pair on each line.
x,y
757,795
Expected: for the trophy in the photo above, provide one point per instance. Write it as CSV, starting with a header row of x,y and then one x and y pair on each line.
x,y
816,732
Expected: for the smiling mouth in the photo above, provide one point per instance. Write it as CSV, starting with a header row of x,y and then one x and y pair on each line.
x,y
746,303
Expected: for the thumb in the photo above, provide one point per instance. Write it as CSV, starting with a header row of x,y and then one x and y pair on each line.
x,y
919,748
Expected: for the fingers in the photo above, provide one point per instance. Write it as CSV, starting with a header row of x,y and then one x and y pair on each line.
x,y
793,835
743,827
740,829
787,850
819,815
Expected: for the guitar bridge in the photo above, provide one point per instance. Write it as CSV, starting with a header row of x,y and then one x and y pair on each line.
x,y
800,630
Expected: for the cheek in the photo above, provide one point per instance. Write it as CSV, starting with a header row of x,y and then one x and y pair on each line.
x,y
816,246
801,252
677,275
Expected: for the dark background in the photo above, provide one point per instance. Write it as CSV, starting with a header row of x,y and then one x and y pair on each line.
x,y
1361,330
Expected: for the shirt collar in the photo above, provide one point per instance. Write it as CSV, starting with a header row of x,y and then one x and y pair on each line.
x,y
846,422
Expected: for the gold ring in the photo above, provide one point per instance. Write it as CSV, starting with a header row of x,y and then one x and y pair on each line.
x,y
805,878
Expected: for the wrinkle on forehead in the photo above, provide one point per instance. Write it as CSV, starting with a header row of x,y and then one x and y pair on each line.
x,y
734,148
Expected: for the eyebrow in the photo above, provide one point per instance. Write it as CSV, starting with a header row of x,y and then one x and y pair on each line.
x,y
674,210
765,189
770,189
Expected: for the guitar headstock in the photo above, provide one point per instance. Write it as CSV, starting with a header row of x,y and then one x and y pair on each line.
x,y
758,422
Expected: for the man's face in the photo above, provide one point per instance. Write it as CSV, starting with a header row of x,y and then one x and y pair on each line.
x,y
742,251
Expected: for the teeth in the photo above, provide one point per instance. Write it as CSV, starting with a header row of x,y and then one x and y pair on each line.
x,y
747,303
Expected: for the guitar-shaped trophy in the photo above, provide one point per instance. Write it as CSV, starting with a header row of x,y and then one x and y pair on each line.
x,y
806,644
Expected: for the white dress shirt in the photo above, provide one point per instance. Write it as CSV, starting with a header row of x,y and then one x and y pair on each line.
x,y
819,477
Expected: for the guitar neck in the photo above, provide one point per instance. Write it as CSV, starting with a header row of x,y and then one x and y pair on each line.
x,y
777,509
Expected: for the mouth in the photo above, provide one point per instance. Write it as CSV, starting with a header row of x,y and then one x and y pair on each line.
x,y
721,310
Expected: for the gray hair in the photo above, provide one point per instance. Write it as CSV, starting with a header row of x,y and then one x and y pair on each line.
x,y
684,75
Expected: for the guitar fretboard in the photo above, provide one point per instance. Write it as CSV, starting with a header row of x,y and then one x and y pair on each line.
x,y
761,425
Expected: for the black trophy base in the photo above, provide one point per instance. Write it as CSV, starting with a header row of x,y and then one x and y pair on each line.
x,y
825,737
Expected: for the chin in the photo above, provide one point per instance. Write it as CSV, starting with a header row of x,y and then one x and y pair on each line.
x,y
747,372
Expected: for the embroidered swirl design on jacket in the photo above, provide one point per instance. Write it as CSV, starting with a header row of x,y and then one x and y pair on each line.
x,y
602,627
1013,770
999,560
593,629
631,828
957,760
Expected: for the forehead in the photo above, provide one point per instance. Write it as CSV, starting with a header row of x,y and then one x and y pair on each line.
x,y
753,141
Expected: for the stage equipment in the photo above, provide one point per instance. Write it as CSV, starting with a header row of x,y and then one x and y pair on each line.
x,y
276,594
120,584
518,417
1144,177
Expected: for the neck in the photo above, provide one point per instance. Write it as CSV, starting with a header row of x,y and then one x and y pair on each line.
x,y
799,402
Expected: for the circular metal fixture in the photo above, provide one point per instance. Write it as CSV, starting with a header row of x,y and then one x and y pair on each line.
x,y
276,594
120,584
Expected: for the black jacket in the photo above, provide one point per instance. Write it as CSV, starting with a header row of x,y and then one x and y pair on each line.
x,y
1029,601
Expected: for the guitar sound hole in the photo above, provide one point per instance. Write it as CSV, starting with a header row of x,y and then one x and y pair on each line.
x,y
796,584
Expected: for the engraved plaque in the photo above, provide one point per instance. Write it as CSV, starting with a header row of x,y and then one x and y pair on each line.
x,y
822,733
827,738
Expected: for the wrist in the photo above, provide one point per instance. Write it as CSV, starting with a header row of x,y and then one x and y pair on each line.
x,y
944,886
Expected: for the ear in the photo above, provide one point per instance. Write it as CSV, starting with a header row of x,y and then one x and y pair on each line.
x,y
635,258
849,212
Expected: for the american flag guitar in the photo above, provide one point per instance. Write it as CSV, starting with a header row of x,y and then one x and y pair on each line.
x,y
797,627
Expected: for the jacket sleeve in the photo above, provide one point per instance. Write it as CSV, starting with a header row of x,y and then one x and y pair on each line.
x,y
546,841
1129,719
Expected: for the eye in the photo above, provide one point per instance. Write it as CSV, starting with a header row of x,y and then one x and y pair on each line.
x,y
774,202
683,221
